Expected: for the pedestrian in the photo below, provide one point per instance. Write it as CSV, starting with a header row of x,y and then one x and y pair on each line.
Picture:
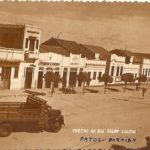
x,y
144,90
148,142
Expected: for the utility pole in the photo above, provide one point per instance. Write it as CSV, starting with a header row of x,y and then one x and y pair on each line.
x,y
59,35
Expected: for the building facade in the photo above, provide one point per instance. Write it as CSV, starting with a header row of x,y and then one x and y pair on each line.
x,y
19,50
68,59
122,62
24,62
144,61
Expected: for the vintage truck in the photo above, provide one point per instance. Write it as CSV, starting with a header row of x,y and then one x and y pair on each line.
x,y
32,115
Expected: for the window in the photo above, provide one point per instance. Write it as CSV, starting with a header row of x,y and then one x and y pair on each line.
x,y
117,73
146,72
127,59
37,44
135,75
32,42
149,72
99,76
27,42
94,75
121,71
16,72
112,70
143,71
89,74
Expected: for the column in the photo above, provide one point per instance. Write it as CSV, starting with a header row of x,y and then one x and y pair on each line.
x,y
68,75
34,77
0,73
78,71
114,75
12,77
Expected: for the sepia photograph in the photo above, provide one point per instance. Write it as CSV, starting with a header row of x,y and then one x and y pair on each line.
x,y
74,76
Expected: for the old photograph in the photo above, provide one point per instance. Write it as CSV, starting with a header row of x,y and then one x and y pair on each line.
x,y
74,76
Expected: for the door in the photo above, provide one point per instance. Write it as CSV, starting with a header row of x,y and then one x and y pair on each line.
x,y
40,79
32,43
73,78
64,79
57,78
5,78
28,78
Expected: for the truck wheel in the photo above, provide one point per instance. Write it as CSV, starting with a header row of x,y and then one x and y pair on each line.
x,y
5,130
55,127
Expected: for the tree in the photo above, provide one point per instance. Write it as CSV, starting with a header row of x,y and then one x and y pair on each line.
x,y
83,78
141,78
52,79
127,77
106,79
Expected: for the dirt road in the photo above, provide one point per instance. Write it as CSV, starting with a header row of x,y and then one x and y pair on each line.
x,y
102,114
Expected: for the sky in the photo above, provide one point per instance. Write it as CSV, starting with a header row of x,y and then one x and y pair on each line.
x,y
109,25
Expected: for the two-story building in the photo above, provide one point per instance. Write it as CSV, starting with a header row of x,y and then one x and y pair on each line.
x,y
19,49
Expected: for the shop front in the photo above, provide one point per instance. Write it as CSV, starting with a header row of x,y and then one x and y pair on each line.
x,y
72,65
95,70
8,71
46,72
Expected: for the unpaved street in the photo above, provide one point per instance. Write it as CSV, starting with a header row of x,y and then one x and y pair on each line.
x,y
113,110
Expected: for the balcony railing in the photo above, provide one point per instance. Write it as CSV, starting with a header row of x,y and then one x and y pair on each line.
x,y
10,54
33,54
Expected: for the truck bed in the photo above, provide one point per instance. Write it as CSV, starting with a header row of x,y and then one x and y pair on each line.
x,y
18,111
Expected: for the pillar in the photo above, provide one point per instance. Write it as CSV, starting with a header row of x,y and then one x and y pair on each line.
x,y
68,75
12,77
114,75
78,71
34,77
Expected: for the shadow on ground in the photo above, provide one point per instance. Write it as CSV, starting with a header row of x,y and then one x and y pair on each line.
x,y
130,101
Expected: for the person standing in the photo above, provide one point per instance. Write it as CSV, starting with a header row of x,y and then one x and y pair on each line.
x,y
144,90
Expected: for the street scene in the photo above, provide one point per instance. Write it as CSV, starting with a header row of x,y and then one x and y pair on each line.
x,y
116,110
74,76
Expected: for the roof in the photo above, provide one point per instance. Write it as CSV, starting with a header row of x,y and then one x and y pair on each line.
x,y
17,26
69,46
121,52
142,55
104,54
11,36
55,49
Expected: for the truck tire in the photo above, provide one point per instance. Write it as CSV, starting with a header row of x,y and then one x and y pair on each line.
x,y
5,130
54,127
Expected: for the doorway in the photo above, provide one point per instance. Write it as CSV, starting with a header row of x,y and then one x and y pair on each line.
x,y
73,78
57,78
40,79
28,78
5,77
64,79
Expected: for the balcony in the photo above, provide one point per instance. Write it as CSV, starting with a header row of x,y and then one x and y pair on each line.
x,y
32,54
10,54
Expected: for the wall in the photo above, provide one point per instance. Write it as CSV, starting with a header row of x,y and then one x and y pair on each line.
x,y
119,62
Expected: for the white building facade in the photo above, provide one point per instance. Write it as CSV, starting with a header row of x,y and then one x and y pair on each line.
x,y
19,50
146,67
120,65
69,67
